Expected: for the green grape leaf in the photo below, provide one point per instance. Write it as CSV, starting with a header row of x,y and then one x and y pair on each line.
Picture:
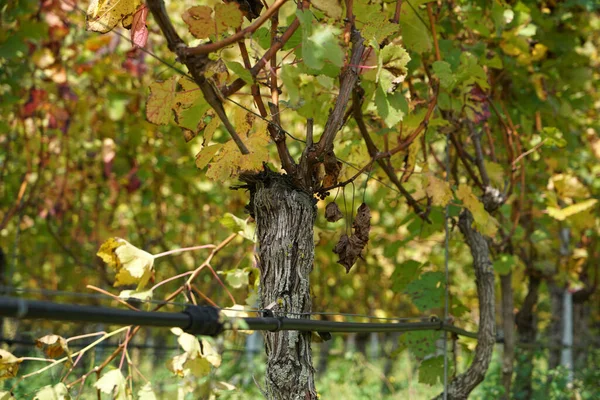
x,y
237,278
240,71
240,226
431,370
420,343
391,107
504,264
427,291
377,26
319,43
553,137
416,34
444,73
404,274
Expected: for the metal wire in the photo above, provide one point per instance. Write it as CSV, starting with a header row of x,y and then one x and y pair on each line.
x,y
201,320
56,293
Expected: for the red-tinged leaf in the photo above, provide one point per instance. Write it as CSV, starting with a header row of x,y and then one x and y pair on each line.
x,y
139,30
36,98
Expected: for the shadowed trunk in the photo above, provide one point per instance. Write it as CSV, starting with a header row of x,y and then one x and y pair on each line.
x,y
527,330
508,326
463,384
284,219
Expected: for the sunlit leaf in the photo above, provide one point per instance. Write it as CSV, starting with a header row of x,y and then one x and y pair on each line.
x,y
206,154
563,213
52,392
241,226
227,15
199,21
439,190
132,265
146,392
158,106
9,364
104,15
113,383
483,221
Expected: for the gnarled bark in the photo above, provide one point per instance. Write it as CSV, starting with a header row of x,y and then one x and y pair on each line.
x,y
463,384
284,219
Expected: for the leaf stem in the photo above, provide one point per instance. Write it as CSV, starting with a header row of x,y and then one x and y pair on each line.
x,y
183,249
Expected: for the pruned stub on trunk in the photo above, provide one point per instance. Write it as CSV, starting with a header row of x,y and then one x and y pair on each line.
x,y
284,216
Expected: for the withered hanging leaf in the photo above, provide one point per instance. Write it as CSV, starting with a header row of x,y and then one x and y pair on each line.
x,y
332,212
350,248
332,169
52,345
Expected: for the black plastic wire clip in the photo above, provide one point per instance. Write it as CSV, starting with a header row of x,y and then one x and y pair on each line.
x,y
204,320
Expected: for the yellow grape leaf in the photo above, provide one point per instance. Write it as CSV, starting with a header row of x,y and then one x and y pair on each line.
x,y
210,129
220,385
52,345
104,15
199,21
144,295
568,186
160,101
331,8
146,392
9,364
206,154
484,222
113,383
6,395
56,392
196,359
189,106
230,161
227,15
563,213
133,265
438,190
495,173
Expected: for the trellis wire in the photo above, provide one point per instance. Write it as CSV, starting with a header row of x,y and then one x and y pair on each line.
x,y
56,293
203,320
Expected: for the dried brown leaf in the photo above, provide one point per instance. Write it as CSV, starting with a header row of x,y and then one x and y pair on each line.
x,y
332,212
